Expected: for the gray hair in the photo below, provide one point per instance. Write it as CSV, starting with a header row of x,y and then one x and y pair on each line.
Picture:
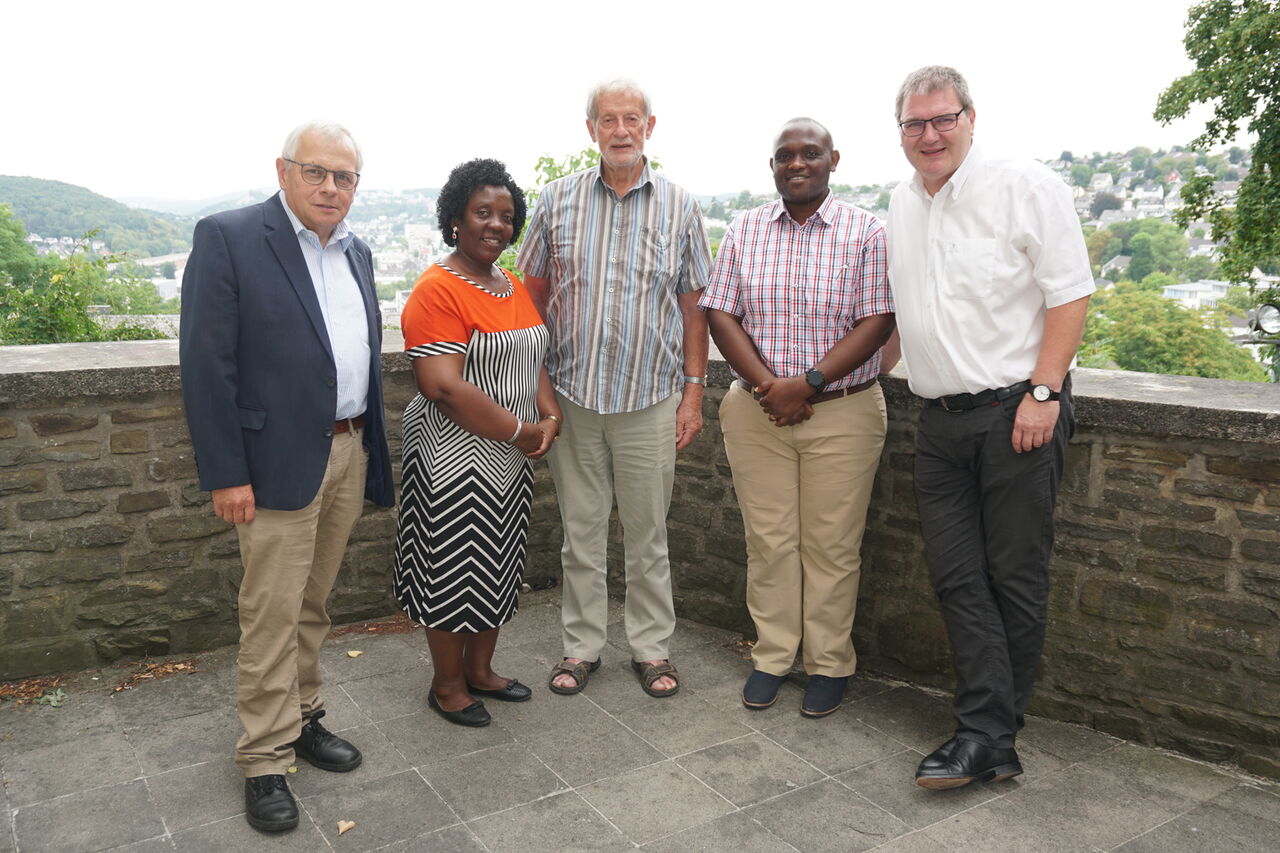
x,y
930,79
618,86
329,130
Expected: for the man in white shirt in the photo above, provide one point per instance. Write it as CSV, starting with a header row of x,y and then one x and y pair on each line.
x,y
991,280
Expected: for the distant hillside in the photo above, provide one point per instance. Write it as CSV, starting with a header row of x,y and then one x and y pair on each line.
x,y
55,209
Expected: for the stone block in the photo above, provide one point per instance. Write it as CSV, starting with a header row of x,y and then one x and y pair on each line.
x,y
226,545
1261,581
67,568
172,436
1265,702
1231,637
1197,747
146,414
916,640
1259,520
159,560
6,580
42,657
94,477
8,428
1100,533
1138,477
1167,456
124,592
1235,609
71,451
1096,557
13,543
24,481
29,618
1224,723
149,613
1080,659
142,501
1126,601
51,510
58,423
1245,467
11,455
1128,726
1258,764
193,495
1172,683
1207,575
185,527
178,468
1180,539
375,527
1152,505
96,535
1260,549
1227,489
130,441
132,644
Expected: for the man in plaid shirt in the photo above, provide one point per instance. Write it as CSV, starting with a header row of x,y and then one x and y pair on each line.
x,y
799,305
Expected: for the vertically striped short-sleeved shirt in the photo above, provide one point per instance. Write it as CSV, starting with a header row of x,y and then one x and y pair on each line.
x,y
800,287
615,266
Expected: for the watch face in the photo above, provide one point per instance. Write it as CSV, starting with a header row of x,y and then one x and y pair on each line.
x,y
1041,392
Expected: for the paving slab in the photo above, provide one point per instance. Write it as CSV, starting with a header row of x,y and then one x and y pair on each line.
x,y
889,783
69,767
827,817
564,822
393,808
832,744
492,780
655,801
98,819
683,723
749,770
733,833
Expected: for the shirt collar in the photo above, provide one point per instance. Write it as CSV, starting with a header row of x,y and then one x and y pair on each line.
x,y
341,232
646,177
957,180
822,215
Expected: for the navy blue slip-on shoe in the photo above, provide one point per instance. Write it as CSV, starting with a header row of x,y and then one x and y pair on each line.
x,y
761,690
823,695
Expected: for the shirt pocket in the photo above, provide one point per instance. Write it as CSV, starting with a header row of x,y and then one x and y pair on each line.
x,y
656,256
970,268
831,297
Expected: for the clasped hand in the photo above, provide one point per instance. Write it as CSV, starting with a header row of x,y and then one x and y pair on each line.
x,y
535,440
786,401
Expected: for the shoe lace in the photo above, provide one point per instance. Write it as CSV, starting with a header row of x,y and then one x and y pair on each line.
x,y
269,783
314,729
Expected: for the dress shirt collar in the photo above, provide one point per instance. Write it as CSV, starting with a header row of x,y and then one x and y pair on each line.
x,y
957,180
646,177
341,232
822,216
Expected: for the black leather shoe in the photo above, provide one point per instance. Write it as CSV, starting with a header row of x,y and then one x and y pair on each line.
x,y
513,692
321,748
268,804
474,715
959,762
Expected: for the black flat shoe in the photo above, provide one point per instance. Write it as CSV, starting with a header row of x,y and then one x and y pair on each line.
x,y
823,696
268,804
474,715
321,748
513,692
761,690
959,762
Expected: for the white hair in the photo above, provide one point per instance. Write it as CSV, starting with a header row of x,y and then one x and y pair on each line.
x,y
330,130
617,86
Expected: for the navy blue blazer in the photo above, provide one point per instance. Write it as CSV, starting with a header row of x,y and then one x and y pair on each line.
x,y
258,378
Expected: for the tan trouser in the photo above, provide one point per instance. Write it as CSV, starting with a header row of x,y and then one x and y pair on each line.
x,y
803,491
631,455
291,559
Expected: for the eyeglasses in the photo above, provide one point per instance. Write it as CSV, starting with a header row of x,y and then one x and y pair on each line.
x,y
942,123
313,174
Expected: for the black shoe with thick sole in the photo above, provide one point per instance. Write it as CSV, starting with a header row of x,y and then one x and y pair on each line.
x,y
268,804
321,748
958,762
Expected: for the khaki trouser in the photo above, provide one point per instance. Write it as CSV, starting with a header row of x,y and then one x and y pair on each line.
x,y
803,491
631,455
291,559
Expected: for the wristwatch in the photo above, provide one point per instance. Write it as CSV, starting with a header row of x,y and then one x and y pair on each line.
x,y
815,378
1043,393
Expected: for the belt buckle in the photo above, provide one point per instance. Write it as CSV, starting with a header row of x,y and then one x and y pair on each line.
x,y
942,401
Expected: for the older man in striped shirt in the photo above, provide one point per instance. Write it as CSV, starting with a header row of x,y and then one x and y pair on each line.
x,y
615,258
799,304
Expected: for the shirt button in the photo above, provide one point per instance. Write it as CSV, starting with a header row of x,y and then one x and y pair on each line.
x,y
613,260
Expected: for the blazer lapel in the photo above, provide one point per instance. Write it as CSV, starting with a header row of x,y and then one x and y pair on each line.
x,y
284,243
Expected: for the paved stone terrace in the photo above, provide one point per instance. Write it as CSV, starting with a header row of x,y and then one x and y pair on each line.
x,y
149,769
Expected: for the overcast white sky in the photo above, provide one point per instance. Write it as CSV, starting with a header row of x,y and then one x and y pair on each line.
x,y
190,100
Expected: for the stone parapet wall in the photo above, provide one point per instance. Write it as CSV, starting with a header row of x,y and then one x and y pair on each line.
x,y
1163,616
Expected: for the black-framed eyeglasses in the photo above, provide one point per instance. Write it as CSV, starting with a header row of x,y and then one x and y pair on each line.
x,y
316,175
942,123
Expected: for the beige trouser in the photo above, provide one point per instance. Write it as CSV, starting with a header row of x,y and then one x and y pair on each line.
x,y
803,491
631,455
291,558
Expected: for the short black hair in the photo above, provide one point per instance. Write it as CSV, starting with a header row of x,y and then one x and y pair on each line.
x,y
463,182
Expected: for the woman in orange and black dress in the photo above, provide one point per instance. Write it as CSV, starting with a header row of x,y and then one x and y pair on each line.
x,y
485,409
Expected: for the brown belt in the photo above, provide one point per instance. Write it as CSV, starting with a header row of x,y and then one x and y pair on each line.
x,y
348,424
825,395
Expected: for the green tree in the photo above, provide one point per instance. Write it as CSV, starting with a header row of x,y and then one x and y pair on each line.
x,y
1104,201
18,261
1235,45
1134,329
168,270
1198,267
1081,173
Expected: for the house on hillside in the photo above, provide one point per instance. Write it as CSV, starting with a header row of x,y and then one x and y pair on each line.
x,y
1197,294
1116,267
1101,181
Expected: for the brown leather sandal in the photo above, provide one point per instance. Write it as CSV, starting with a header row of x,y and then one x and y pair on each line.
x,y
651,672
581,672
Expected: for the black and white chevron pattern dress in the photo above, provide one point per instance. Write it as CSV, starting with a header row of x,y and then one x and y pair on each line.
x,y
464,505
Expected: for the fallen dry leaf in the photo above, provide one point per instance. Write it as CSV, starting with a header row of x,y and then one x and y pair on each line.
x,y
354,654
293,769
30,689
156,671
344,825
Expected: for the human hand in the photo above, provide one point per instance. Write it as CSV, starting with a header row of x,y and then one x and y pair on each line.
x,y
529,439
786,401
549,430
234,504
1033,424
689,417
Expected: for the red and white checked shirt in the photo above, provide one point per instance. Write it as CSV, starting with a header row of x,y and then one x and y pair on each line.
x,y
800,288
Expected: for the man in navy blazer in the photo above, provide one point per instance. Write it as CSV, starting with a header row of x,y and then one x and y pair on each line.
x,y
280,349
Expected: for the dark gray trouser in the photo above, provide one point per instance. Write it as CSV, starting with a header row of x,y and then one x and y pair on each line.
x,y
986,514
